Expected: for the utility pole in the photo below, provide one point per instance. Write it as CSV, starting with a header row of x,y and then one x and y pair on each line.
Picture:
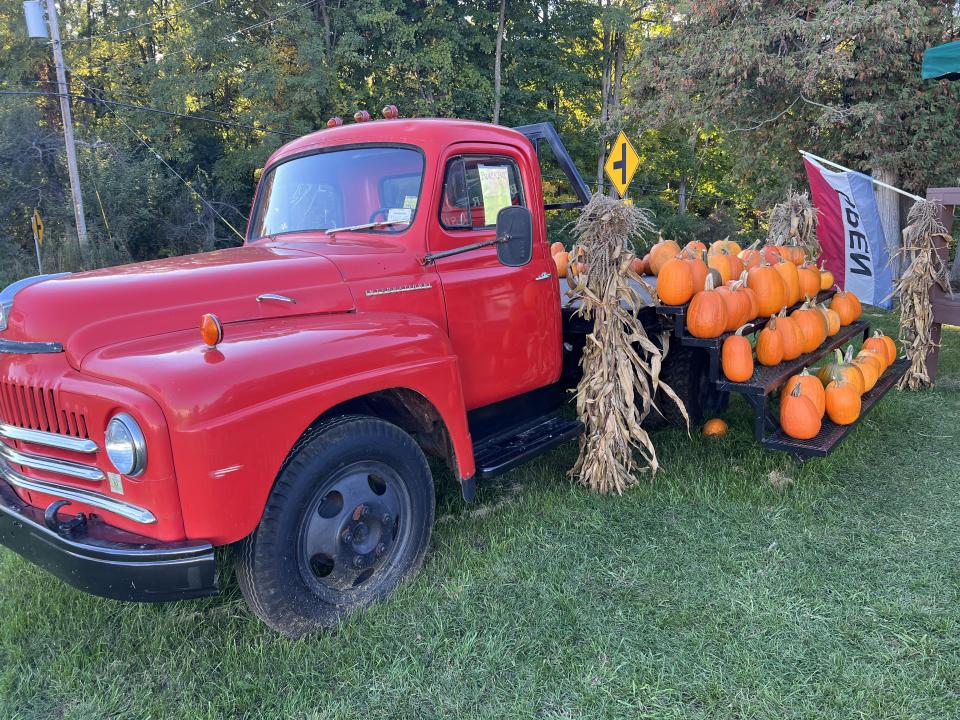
x,y
64,92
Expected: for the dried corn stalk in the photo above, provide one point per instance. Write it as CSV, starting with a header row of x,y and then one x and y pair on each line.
x,y
924,268
621,365
794,222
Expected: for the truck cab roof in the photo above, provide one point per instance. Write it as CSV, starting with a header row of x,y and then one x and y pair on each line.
x,y
425,133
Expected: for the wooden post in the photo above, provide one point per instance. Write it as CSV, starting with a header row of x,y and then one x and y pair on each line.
x,y
946,308
63,91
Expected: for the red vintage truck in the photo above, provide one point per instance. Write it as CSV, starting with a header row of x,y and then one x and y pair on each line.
x,y
395,298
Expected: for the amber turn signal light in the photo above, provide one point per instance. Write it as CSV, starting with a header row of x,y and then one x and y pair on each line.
x,y
361,116
211,330
390,112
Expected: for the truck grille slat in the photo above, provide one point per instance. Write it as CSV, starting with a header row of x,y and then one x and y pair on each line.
x,y
37,408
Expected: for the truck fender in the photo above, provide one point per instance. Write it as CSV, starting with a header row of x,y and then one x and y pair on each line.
x,y
235,411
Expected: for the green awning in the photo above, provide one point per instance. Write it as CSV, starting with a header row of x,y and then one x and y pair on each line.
x,y
942,61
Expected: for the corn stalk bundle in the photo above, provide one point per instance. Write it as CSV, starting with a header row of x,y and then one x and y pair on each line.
x,y
923,268
794,222
621,364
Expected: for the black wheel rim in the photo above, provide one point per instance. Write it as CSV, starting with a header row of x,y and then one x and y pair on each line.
x,y
354,531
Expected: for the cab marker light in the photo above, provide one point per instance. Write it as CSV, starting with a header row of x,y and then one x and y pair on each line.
x,y
390,112
211,330
334,122
361,116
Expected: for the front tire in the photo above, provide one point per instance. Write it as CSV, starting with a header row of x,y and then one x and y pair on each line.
x,y
348,520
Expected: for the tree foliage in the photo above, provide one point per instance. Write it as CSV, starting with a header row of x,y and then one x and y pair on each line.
x,y
683,79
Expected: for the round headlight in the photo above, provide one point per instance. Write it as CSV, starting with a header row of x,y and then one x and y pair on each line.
x,y
126,446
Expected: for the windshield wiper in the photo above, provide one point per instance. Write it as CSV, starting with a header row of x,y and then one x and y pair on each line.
x,y
367,226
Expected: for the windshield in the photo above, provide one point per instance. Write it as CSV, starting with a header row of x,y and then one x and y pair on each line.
x,y
342,188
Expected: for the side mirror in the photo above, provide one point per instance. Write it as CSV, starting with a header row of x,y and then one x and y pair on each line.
x,y
514,236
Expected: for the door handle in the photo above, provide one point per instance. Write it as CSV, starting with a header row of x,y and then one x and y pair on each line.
x,y
543,276
277,298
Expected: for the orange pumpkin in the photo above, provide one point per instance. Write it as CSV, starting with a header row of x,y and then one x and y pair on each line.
x,y
769,344
826,279
750,257
843,402
751,297
769,287
695,247
557,247
832,318
721,263
810,386
698,271
736,357
738,306
883,345
799,418
845,304
662,252
725,245
790,335
795,254
809,280
791,279
843,370
870,367
636,266
736,265
563,262
714,427
675,282
707,313
812,324
771,255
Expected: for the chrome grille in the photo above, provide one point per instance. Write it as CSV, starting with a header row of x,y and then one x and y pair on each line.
x,y
36,408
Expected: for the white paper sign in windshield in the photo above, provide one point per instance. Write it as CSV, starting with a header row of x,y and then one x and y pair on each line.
x,y
495,187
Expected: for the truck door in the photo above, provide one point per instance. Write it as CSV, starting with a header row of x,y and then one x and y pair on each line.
x,y
504,322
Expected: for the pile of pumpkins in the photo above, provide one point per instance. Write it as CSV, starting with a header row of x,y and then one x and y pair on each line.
x,y
787,337
836,389
727,286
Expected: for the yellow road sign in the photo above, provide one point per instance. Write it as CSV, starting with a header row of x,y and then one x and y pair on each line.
x,y
37,226
622,163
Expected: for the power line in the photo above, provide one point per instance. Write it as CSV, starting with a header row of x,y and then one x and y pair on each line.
x,y
146,108
153,21
230,36
169,167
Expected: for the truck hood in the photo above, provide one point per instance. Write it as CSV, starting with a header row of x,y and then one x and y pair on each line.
x,y
89,310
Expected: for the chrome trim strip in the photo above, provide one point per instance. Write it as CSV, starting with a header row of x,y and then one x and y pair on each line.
x,y
88,497
59,467
278,298
48,439
14,347
394,291
543,276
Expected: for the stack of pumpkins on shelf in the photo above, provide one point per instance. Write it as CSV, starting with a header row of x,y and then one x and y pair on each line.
x,y
836,388
728,287
787,337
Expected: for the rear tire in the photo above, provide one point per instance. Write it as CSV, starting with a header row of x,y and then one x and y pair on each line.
x,y
686,371
347,521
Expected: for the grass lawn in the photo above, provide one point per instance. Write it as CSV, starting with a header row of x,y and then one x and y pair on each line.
x,y
738,585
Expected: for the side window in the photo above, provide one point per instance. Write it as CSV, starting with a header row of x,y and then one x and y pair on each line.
x,y
476,188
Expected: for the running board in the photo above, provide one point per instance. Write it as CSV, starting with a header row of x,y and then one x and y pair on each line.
x,y
503,453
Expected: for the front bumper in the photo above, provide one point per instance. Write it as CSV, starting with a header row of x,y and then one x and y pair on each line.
x,y
103,560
